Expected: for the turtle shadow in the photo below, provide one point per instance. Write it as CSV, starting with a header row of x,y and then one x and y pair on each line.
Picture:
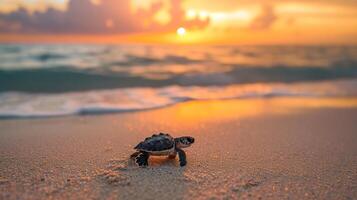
x,y
123,179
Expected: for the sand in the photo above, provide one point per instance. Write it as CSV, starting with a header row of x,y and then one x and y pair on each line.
x,y
277,148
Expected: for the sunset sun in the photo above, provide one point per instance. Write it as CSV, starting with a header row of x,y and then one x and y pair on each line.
x,y
181,31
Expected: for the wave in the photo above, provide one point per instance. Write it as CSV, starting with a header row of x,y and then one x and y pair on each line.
x,y
29,105
67,79
45,57
75,68
134,60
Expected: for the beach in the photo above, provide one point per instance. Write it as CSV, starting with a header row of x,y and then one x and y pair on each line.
x,y
241,100
253,148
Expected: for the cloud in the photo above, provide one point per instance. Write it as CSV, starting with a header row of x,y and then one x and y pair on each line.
x,y
265,19
84,17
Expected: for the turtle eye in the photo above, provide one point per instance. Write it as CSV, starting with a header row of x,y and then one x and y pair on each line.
x,y
183,140
191,140
187,140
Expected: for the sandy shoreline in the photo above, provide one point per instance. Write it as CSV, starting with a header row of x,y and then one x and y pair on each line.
x,y
286,148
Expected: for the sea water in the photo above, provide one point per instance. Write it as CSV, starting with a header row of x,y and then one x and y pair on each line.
x,y
57,80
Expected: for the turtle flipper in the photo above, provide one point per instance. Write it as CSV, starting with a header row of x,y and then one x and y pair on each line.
x,y
182,157
142,158
134,155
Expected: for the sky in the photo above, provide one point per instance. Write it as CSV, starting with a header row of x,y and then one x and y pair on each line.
x,y
157,21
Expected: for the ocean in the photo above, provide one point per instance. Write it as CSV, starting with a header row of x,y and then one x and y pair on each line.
x,y
60,80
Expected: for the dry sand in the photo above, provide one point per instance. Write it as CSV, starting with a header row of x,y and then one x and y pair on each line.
x,y
264,148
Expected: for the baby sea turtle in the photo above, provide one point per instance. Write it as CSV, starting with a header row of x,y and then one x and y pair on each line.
x,y
162,145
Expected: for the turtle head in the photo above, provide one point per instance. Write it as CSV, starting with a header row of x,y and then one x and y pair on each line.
x,y
183,142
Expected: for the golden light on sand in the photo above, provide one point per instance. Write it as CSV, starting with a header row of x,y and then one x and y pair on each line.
x,y
181,31
196,112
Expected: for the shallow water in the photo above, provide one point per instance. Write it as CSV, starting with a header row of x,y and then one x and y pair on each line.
x,y
53,80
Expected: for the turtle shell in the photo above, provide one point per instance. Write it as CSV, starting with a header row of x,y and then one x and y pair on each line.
x,y
156,143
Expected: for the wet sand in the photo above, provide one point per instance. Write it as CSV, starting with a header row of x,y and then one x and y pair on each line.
x,y
277,148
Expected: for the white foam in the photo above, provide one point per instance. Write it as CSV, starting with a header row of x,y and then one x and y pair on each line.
x,y
14,104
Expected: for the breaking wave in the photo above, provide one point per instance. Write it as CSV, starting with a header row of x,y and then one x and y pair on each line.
x,y
20,105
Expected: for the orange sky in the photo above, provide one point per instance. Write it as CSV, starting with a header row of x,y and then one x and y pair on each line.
x,y
211,22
